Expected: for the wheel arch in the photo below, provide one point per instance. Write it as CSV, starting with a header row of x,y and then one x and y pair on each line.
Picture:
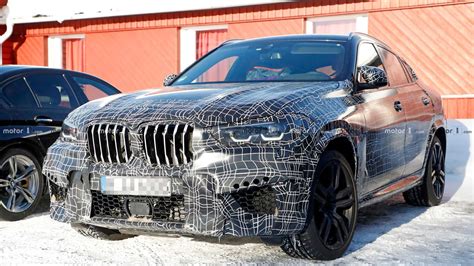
x,y
440,133
342,137
26,145
343,145
437,130
332,138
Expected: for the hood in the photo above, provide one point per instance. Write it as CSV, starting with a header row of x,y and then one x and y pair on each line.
x,y
204,105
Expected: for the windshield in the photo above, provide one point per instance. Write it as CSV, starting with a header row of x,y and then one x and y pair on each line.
x,y
277,60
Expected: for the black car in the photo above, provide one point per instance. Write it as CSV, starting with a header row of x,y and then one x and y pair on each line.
x,y
34,101
282,137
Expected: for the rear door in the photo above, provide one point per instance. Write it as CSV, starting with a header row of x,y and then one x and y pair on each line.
x,y
55,100
5,121
385,126
22,108
419,115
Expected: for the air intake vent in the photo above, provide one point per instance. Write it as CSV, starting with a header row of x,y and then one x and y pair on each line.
x,y
109,143
168,144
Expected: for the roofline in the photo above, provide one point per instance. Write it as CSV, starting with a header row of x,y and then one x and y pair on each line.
x,y
366,36
20,68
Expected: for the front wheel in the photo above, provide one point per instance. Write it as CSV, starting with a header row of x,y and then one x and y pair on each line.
x,y
333,215
21,184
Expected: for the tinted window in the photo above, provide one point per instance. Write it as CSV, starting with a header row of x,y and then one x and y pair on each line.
x,y
93,89
18,94
52,90
280,60
410,72
368,56
395,72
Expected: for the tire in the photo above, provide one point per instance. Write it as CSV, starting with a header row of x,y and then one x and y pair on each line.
x,y
333,212
430,191
97,232
21,185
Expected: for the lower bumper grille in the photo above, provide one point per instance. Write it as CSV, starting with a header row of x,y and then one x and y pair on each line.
x,y
257,200
165,209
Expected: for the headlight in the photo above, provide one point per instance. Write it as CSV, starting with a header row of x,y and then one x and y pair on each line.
x,y
69,132
254,133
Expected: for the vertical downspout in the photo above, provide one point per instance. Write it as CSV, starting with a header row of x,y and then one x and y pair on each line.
x,y
9,24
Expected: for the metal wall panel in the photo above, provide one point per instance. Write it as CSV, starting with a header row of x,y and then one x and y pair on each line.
x,y
133,60
265,28
436,41
228,15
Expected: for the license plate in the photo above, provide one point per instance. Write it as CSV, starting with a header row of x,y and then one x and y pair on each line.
x,y
136,186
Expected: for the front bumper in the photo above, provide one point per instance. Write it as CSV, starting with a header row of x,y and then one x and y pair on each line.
x,y
242,192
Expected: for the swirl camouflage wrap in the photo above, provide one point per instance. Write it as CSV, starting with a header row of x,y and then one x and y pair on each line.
x,y
212,181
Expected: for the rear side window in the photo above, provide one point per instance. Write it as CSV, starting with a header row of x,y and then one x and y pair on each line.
x,y
17,94
395,72
52,90
411,73
93,89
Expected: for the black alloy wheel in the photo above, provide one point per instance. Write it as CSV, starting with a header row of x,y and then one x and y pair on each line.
x,y
334,206
430,192
437,170
333,213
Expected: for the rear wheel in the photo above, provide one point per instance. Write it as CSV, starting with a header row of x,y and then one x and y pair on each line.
x,y
21,184
334,212
97,232
430,192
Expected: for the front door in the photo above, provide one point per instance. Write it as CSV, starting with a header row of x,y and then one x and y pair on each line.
x,y
385,127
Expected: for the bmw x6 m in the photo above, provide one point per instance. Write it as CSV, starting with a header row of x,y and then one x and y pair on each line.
x,y
282,137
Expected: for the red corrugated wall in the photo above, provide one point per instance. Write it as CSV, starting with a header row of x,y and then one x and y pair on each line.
x,y
438,42
133,60
25,51
138,51
254,29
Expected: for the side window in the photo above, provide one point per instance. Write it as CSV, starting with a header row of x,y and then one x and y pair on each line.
x,y
395,72
368,56
17,94
411,73
51,90
93,89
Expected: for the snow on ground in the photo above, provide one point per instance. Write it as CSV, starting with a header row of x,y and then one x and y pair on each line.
x,y
390,232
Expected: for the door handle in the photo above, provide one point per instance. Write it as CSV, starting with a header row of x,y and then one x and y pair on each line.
x,y
43,119
425,100
398,106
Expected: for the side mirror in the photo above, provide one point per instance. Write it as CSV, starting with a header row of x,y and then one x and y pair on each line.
x,y
169,79
371,77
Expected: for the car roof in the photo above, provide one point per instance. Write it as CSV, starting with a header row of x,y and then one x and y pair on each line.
x,y
353,36
7,71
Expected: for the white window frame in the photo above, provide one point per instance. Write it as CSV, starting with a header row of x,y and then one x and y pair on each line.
x,y
187,45
55,48
362,22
